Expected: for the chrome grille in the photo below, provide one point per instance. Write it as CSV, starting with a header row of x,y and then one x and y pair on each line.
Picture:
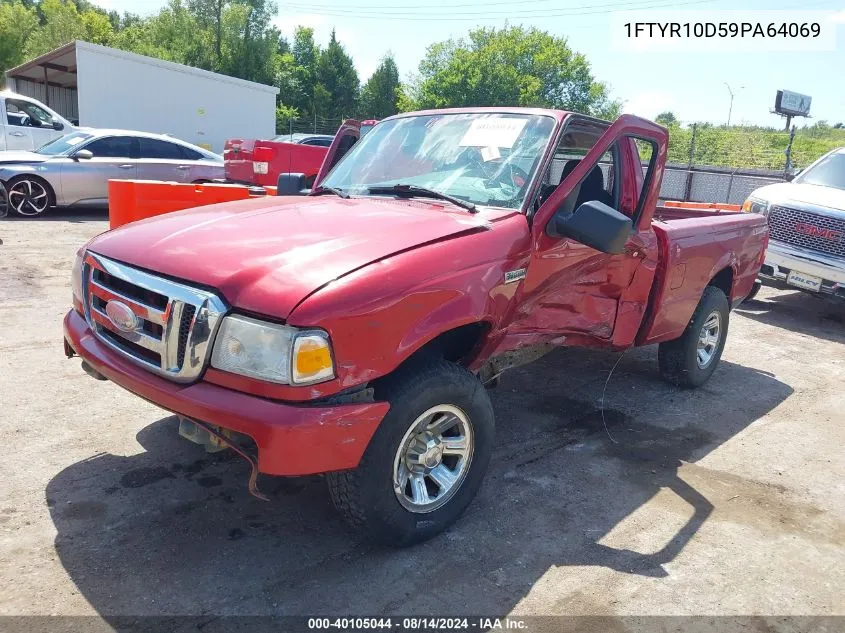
x,y
821,233
173,326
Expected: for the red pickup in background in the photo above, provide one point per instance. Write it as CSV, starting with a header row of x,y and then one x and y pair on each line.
x,y
258,162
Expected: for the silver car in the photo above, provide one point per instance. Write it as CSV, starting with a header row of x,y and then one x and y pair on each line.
x,y
74,170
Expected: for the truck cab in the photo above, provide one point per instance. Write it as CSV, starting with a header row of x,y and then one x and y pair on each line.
x,y
353,331
27,124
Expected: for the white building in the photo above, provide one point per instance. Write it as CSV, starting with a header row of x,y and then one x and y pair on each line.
x,y
109,88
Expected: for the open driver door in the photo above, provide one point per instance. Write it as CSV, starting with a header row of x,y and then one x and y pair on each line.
x,y
593,251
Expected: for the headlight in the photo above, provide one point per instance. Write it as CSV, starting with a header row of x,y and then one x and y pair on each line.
x,y
76,278
755,205
276,353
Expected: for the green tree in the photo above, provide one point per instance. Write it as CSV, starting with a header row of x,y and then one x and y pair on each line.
x,y
172,34
302,76
380,95
284,116
249,41
61,23
510,66
98,27
17,24
337,77
209,16
667,119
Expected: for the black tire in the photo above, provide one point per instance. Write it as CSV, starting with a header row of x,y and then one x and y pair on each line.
x,y
366,498
678,359
32,212
754,290
4,201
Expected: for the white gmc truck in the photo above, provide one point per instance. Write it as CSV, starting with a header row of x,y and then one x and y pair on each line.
x,y
806,227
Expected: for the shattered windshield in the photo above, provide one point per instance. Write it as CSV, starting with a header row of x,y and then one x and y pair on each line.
x,y
482,158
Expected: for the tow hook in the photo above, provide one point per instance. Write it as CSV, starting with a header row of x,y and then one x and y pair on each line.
x,y
220,439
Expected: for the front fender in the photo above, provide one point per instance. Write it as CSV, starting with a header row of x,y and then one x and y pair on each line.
x,y
379,316
7,173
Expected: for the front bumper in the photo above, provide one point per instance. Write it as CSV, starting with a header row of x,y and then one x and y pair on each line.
x,y
291,440
782,258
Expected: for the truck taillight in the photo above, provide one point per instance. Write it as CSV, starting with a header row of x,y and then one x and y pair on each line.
x,y
262,154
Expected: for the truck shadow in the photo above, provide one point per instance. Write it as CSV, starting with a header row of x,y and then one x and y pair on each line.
x,y
819,317
172,530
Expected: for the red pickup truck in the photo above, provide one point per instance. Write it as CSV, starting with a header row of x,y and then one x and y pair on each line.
x,y
352,331
257,162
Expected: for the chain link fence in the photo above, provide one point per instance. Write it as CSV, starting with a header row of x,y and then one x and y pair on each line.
x,y
308,125
715,164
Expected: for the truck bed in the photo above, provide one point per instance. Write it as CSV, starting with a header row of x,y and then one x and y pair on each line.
x,y
240,155
698,247
668,213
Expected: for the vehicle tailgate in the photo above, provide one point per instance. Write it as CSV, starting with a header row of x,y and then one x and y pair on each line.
x,y
237,159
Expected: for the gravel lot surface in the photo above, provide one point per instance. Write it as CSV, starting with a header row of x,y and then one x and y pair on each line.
x,y
725,500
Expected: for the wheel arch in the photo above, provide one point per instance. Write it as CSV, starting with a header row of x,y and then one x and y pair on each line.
x,y
724,280
458,344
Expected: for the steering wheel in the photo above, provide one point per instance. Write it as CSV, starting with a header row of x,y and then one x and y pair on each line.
x,y
509,175
517,176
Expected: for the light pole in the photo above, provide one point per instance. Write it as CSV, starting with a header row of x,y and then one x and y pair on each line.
x,y
731,106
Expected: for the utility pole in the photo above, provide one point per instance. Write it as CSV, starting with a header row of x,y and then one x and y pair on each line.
x,y
731,106
787,167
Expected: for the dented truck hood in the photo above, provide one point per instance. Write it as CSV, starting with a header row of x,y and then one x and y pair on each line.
x,y
266,255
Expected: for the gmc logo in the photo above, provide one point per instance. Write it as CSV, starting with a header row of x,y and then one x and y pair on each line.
x,y
815,231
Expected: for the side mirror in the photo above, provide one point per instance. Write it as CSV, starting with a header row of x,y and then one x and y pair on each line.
x,y
291,185
58,125
83,154
593,224
790,176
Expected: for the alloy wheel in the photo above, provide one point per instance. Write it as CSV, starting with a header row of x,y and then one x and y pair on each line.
x,y
708,339
433,459
28,197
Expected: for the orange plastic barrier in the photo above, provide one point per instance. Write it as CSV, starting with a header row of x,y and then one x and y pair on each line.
x,y
702,205
131,200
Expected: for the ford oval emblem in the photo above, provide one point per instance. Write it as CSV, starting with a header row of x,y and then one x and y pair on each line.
x,y
121,316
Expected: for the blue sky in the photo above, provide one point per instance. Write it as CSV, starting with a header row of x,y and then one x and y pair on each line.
x,y
690,84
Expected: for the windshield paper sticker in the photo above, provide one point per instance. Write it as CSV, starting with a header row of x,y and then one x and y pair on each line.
x,y
490,153
493,132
